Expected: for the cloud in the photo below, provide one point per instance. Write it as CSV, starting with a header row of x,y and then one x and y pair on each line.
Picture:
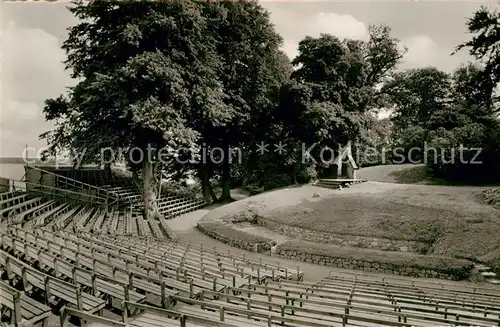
x,y
32,71
424,51
341,26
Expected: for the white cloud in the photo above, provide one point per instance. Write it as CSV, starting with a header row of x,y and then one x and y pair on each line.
x,y
32,71
422,50
341,26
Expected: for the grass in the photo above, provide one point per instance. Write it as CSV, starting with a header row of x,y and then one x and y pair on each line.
x,y
439,220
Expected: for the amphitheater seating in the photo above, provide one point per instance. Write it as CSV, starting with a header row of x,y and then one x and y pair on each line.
x,y
52,287
199,256
60,267
23,310
389,301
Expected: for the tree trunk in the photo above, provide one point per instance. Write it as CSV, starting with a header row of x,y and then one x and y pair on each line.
x,y
150,190
206,186
226,178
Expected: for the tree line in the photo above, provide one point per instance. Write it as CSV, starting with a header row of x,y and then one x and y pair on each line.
x,y
187,76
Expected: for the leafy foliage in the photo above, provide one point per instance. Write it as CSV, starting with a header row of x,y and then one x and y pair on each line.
x,y
194,77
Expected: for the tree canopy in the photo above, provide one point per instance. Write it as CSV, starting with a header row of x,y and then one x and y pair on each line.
x,y
180,79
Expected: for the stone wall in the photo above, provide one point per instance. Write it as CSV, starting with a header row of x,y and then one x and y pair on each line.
x,y
389,263
228,235
338,239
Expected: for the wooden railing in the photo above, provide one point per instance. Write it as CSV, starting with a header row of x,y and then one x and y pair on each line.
x,y
64,182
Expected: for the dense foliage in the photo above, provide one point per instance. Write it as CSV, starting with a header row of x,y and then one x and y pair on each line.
x,y
450,121
199,85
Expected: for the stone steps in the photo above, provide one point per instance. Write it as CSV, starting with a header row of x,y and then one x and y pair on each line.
x,y
486,272
337,183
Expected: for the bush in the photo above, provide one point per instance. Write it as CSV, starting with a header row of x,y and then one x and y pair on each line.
x,y
181,189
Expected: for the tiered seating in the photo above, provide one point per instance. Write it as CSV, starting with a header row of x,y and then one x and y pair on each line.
x,y
88,258
358,302
211,271
22,209
200,256
129,193
68,266
55,291
173,206
22,310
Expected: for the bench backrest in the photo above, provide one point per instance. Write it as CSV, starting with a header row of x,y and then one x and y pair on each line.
x,y
11,298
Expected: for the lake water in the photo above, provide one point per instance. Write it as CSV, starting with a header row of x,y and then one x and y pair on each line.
x,y
12,171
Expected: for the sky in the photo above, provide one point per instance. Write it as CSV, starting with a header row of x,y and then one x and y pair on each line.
x,y
32,68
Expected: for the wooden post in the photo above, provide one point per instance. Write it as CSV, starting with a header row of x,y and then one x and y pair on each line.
x,y
47,290
94,285
8,268
26,286
124,312
221,313
183,320
202,298
17,308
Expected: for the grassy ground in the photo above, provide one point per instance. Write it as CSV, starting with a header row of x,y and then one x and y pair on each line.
x,y
448,219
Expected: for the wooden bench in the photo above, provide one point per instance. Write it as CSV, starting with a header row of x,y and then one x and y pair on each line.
x,y
66,313
24,311
20,207
105,272
323,308
22,217
415,309
416,293
228,258
215,270
9,195
120,273
200,279
98,282
450,289
14,199
156,317
99,221
238,316
398,293
58,220
44,215
52,286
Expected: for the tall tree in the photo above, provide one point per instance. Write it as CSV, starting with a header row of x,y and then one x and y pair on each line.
x,y
344,78
416,93
141,65
251,75
485,47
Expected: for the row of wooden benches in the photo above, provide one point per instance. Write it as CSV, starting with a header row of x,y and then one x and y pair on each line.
x,y
431,300
29,212
197,257
330,295
273,305
171,205
181,257
99,275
